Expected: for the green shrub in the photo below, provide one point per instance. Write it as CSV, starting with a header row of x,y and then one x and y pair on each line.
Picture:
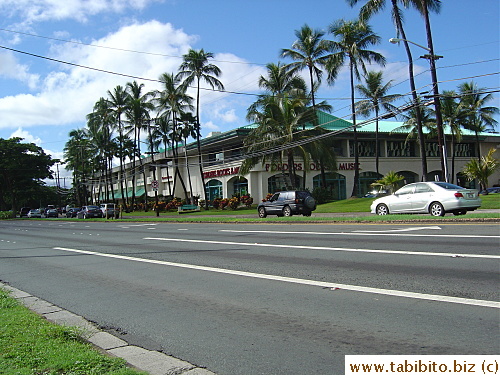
x,y
6,215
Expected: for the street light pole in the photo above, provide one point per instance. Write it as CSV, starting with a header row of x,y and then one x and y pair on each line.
x,y
437,102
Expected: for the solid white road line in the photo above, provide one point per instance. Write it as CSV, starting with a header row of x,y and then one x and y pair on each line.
x,y
381,233
401,252
333,286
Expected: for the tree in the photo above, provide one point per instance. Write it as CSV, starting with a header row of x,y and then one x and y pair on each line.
x,y
310,52
194,69
454,115
480,118
78,156
170,102
118,99
137,112
377,98
390,182
372,7
187,129
24,166
481,169
279,121
354,37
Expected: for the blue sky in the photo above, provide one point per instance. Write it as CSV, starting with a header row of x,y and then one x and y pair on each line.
x,y
43,100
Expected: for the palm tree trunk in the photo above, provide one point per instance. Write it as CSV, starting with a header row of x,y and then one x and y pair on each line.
x,y
198,143
355,186
416,102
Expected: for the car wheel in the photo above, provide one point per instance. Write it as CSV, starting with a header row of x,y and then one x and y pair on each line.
x,y
436,209
459,212
262,212
382,209
287,211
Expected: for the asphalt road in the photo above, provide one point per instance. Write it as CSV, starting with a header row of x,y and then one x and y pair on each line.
x,y
268,299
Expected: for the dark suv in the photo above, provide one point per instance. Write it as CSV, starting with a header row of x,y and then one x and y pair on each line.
x,y
288,203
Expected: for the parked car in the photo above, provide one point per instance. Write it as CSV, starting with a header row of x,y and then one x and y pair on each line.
x,y
490,190
72,211
35,213
110,210
24,211
435,198
288,203
51,212
88,212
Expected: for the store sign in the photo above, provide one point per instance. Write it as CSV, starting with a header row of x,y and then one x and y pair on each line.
x,y
221,172
312,167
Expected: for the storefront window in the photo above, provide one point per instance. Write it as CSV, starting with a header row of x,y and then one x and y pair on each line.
x,y
281,182
409,177
213,189
240,186
335,182
365,181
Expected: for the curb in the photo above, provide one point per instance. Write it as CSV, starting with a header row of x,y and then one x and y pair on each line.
x,y
150,361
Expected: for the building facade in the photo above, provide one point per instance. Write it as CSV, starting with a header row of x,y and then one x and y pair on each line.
x,y
223,154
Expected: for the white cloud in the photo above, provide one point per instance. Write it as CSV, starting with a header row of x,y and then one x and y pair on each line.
x,y
28,138
44,10
10,68
67,95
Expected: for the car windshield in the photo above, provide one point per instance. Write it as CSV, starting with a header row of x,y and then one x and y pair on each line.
x,y
446,185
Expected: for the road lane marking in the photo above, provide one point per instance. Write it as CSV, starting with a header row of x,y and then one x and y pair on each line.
x,y
375,233
304,247
397,230
292,280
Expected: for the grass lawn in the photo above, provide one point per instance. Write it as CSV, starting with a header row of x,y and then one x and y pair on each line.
x,y
31,345
491,201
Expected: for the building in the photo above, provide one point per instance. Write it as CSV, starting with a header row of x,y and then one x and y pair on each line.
x,y
222,156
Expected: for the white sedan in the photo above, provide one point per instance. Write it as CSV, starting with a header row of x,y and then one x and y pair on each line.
x,y
435,198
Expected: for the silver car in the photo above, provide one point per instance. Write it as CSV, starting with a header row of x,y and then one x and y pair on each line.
x,y
435,198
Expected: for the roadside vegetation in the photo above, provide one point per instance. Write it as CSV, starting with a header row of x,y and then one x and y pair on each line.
x,y
30,345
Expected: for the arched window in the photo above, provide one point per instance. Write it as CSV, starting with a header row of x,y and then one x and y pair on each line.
x,y
281,182
335,182
435,176
365,181
213,189
464,182
409,177
240,186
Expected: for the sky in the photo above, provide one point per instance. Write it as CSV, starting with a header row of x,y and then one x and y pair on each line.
x,y
45,91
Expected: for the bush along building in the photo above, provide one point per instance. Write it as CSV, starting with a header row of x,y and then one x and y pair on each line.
x,y
176,173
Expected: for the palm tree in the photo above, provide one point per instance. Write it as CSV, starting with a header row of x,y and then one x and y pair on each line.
x,y
310,52
480,118
454,115
194,69
186,129
77,152
278,120
118,99
372,7
100,133
481,169
354,37
170,102
137,112
377,98
391,181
